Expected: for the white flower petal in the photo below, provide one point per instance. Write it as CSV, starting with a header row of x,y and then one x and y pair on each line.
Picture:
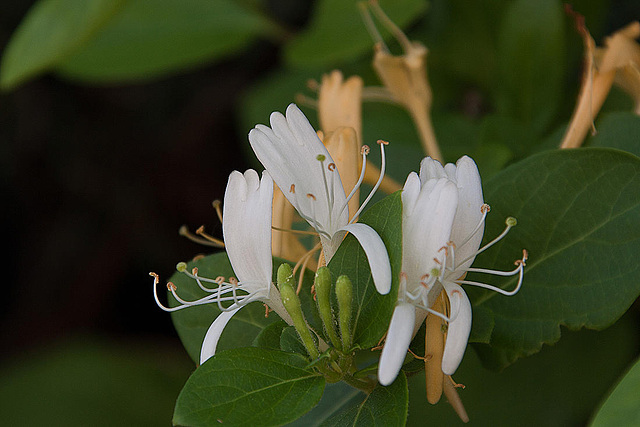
x,y
431,169
427,230
246,228
397,343
289,151
410,193
459,328
469,211
213,334
376,252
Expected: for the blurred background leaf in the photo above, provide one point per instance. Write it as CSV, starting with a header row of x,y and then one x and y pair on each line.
x,y
52,31
621,407
149,39
92,381
336,21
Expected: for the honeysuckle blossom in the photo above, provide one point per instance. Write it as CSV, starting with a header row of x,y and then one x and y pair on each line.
x,y
301,166
246,229
442,228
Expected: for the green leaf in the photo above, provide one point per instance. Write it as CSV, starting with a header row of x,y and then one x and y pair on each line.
x,y
532,61
50,32
337,32
372,311
336,397
619,130
269,337
154,38
290,342
621,407
192,323
248,386
578,216
385,406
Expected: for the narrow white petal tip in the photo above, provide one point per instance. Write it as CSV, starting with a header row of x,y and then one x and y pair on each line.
x,y
376,252
397,343
211,338
459,328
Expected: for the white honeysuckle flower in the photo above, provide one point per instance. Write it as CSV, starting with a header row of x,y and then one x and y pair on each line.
x,y
442,227
301,166
246,228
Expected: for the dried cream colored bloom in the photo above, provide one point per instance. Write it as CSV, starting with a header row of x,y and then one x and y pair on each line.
x,y
404,77
340,104
339,110
618,61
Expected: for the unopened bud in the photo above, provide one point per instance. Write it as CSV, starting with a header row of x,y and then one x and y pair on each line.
x,y
322,286
344,292
291,303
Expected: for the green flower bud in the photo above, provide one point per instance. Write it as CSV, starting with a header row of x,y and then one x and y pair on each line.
x,y
291,303
323,299
344,292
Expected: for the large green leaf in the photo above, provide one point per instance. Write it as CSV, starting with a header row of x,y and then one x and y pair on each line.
x,y
50,32
619,130
621,407
532,61
336,397
372,311
248,386
152,38
579,217
192,323
337,33
384,406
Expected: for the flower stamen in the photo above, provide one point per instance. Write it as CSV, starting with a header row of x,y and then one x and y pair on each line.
x,y
521,263
381,143
364,151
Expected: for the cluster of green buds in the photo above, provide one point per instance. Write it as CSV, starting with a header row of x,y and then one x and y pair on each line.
x,y
334,357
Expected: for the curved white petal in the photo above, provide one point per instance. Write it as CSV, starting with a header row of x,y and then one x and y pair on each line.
x,y
410,193
376,252
214,332
431,169
459,328
246,228
289,151
469,214
427,230
397,343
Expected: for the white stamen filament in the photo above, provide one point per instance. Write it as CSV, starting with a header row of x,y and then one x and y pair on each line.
x,y
375,187
217,297
364,153
485,210
488,245
328,195
518,270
